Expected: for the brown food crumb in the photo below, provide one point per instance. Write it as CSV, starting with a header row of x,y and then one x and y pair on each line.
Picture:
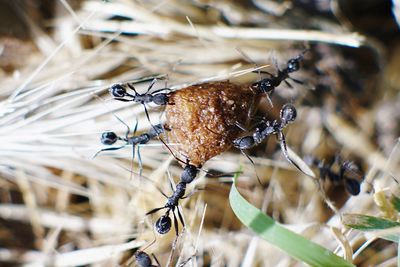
x,y
203,118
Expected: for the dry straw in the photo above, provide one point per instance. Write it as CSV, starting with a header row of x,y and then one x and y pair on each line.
x,y
86,210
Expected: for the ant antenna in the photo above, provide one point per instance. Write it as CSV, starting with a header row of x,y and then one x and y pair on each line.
x,y
247,58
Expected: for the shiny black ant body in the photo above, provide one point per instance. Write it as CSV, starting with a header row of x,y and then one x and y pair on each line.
x,y
268,85
163,224
143,259
288,114
118,91
349,174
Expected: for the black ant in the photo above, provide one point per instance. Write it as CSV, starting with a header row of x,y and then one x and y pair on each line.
x,y
110,138
268,85
288,114
118,91
163,224
349,173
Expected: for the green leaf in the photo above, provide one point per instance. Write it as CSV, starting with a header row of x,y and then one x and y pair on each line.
x,y
396,203
295,245
370,223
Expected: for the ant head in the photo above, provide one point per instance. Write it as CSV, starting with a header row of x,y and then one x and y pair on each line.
x,y
108,138
288,113
189,173
142,258
163,224
117,90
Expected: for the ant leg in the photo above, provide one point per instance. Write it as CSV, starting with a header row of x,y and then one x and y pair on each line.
x,y
123,99
133,146
140,161
155,210
296,80
148,117
155,258
187,260
252,162
288,84
132,88
246,57
285,152
180,217
176,223
151,85
162,89
107,149
241,126
162,141
263,72
267,94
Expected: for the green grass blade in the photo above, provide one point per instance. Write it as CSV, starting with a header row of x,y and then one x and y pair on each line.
x,y
295,245
370,223
396,203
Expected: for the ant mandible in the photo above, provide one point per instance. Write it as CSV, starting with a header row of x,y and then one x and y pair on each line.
x,y
268,85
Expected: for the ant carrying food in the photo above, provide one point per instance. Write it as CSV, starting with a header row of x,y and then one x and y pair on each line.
x,y
268,85
288,114
109,138
349,173
119,92
163,224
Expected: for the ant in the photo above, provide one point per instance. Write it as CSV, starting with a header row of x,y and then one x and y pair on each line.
x,y
352,182
109,138
288,114
163,224
118,91
268,85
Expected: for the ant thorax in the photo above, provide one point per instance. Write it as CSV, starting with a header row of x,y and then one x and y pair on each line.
x,y
203,118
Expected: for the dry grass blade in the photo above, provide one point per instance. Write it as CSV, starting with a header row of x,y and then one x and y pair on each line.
x,y
58,59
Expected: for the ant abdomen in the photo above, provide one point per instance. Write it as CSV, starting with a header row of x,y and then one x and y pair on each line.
x,y
288,113
163,224
108,138
117,90
142,259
